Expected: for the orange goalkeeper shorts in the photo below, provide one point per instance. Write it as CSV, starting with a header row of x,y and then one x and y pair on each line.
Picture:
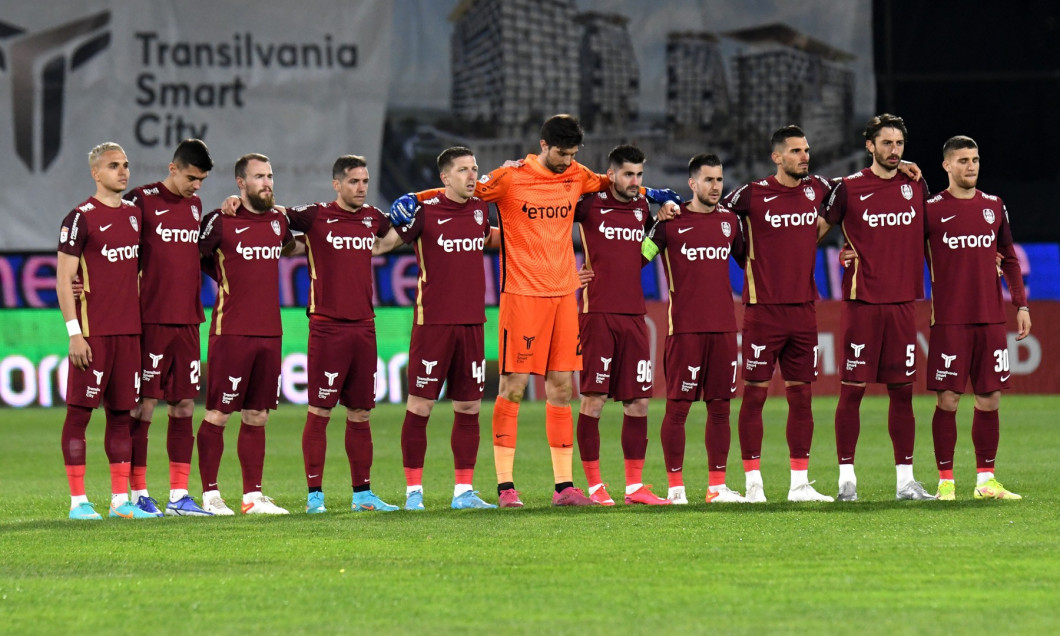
x,y
539,334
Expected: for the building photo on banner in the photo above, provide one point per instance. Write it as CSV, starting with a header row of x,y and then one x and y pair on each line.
x,y
826,221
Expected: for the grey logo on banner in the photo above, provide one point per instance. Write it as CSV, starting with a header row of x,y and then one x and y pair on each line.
x,y
38,64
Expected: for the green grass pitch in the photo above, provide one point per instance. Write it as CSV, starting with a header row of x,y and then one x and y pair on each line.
x,y
872,567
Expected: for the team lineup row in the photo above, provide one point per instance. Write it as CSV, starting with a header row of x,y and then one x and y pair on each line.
x,y
147,249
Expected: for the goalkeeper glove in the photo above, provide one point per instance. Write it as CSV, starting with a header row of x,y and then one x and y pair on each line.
x,y
403,210
660,196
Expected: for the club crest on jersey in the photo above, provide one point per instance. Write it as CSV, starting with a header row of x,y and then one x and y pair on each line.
x,y
726,229
195,212
637,214
276,226
907,191
988,214
367,222
478,217
134,224
810,193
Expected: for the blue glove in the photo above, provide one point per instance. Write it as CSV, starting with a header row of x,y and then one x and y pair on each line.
x,y
403,210
660,196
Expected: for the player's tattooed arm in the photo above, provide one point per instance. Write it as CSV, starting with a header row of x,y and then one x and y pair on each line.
x,y
387,243
295,247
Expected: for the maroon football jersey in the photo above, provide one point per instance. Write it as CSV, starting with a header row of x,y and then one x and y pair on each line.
x,y
339,249
963,239
170,279
449,238
781,230
106,241
883,221
242,253
695,252
612,232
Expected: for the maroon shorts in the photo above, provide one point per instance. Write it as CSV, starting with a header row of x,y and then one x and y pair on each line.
x,y
787,333
616,356
454,354
171,365
112,377
879,343
242,372
342,363
959,353
701,366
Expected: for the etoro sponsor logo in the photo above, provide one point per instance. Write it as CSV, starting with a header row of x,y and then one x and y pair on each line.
x,y
622,233
889,219
546,212
968,241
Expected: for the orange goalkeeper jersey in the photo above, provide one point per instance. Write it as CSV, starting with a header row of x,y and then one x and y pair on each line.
x,y
536,209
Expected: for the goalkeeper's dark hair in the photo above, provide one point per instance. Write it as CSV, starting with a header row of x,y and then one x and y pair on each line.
x,y
345,163
958,142
886,120
193,152
706,159
562,131
782,135
449,155
626,153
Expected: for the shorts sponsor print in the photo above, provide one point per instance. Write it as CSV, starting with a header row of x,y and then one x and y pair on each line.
x,y
959,354
242,372
616,356
784,333
701,366
342,363
450,354
111,379
170,362
879,342
539,333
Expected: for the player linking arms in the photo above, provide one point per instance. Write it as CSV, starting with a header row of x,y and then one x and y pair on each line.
x,y
538,309
966,229
448,233
171,311
701,353
616,351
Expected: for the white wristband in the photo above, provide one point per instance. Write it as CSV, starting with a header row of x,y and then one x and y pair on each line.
x,y
73,328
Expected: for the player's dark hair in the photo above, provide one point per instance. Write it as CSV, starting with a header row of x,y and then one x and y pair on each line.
x,y
886,120
782,135
241,163
346,162
449,155
562,131
958,142
625,153
697,162
193,152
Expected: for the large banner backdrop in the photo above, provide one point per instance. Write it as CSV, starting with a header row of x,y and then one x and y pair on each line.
x,y
301,82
